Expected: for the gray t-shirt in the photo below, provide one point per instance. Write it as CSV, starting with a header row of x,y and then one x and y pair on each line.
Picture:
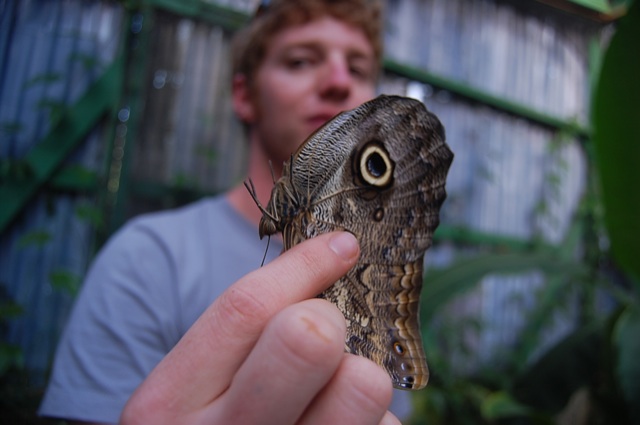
x,y
146,287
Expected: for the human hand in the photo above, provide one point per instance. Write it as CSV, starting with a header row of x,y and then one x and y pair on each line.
x,y
264,352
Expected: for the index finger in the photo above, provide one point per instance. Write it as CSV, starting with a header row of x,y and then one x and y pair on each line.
x,y
202,365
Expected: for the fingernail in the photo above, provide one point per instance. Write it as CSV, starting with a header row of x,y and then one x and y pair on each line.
x,y
344,244
390,419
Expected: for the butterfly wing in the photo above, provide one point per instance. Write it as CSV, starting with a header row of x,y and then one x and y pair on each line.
x,y
378,172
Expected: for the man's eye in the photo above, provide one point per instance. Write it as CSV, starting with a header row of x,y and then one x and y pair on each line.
x,y
299,63
360,72
357,71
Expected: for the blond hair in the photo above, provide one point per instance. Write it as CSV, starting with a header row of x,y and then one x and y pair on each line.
x,y
250,43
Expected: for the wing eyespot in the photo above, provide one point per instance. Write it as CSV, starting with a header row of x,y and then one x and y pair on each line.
x,y
375,166
378,214
398,348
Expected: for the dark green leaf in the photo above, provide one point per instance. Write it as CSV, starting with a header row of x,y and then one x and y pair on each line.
x,y
616,124
208,153
181,181
10,355
572,364
550,299
11,128
88,61
56,108
76,177
443,285
15,170
9,310
500,404
43,79
91,213
36,238
65,281
626,338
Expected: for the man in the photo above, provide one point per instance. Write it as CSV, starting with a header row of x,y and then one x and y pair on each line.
x,y
260,350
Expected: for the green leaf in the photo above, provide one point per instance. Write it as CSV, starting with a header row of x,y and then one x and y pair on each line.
x,y
208,153
500,404
91,213
89,61
15,171
36,237
573,363
10,355
9,310
551,298
182,181
65,281
47,78
443,285
75,177
11,128
626,338
56,108
599,5
616,124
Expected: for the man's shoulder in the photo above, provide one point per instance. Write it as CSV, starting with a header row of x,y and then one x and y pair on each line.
x,y
192,220
205,225
203,208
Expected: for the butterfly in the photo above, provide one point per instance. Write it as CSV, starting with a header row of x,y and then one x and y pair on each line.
x,y
379,172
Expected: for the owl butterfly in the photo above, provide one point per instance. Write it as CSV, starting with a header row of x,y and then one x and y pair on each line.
x,y
377,171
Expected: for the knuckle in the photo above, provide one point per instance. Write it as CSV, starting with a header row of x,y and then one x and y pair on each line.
x,y
313,266
241,309
309,339
139,412
309,260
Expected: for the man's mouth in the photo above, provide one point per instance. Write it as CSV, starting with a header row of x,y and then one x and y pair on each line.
x,y
319,120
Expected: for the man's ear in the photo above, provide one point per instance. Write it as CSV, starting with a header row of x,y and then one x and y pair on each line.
x,y
242,99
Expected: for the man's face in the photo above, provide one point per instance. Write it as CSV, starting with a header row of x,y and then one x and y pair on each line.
x,y
309,74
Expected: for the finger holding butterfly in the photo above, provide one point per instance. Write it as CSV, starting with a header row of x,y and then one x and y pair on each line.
x,y
261,350
300,358
348,397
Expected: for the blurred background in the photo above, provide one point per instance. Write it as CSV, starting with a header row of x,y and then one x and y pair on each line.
x,y
109,109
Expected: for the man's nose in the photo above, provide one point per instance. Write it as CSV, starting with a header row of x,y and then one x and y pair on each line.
x,y
336,80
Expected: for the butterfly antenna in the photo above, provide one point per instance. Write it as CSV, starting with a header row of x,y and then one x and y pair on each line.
x,y
273,173
254,194
264,257
294,195
252,191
